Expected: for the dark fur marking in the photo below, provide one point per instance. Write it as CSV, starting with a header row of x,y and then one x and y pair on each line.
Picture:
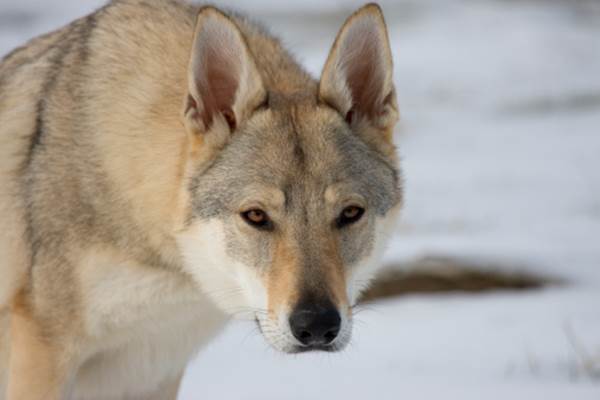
x,y
82,33
84,30
38,133
313,290
86,34
299,152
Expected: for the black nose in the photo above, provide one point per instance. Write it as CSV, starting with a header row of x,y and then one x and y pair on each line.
x,y
315,325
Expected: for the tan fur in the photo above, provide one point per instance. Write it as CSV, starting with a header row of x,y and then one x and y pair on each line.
x,y
110,275
282,281
33,359
19,97
335,273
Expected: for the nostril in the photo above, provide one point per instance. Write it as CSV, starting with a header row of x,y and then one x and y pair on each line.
x,y
331,335
304,336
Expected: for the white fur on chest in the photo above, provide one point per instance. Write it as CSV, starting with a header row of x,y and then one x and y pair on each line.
x,y
143,325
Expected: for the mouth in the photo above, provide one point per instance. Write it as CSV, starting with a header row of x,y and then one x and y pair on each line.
x,y
330,348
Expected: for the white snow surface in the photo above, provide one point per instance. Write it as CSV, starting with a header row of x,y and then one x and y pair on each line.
x,y
500,141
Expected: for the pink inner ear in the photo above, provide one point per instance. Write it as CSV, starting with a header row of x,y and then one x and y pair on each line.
x,y
363,63
218,89
216,72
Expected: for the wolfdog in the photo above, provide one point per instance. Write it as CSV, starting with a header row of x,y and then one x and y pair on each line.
x,y
166,166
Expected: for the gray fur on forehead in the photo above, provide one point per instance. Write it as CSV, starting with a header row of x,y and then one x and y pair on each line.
x,y
300,159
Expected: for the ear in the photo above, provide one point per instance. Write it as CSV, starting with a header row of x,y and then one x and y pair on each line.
x,y
357,77
224,85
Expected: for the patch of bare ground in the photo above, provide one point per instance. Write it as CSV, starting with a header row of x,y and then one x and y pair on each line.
x,y
446,274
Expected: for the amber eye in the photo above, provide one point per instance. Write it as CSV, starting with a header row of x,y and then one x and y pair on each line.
x,y
257,218
350,215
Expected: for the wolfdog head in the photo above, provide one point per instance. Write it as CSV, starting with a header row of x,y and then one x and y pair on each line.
x,y
294,185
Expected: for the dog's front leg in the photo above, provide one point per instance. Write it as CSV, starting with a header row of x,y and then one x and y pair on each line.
x,y
37,370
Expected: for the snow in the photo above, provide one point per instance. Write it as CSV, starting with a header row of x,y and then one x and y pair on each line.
x,y
500,140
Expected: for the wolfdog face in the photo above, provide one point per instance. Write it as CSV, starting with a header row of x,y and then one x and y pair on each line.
x,y
295,191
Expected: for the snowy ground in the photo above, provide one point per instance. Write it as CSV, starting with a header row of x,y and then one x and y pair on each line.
x,y
500,141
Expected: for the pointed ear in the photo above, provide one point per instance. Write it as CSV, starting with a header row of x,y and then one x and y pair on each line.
x,y
224,85
357,77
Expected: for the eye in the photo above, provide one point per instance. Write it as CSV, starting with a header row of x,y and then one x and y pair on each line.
x,y
349,215
257,218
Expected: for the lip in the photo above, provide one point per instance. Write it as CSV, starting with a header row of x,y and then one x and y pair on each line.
x,y
314,348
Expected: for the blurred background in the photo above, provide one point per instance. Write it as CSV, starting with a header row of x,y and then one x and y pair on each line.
x,y
492,280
